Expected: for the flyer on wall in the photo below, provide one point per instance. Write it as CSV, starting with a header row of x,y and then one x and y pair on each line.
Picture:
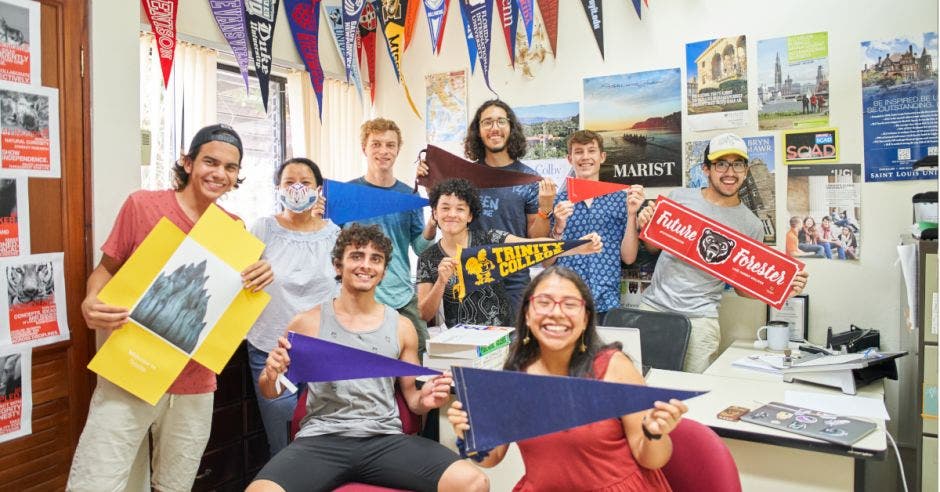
x,y
446,110
793,82
824,211
16,392
29,130
547,128
34,300
899,106
639,116
716,71
758,192
14,216
804,147
20,52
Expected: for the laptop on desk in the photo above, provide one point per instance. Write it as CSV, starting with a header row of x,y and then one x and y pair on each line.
x,y
630,339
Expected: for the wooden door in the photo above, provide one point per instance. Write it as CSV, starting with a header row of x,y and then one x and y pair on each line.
x,y
60,215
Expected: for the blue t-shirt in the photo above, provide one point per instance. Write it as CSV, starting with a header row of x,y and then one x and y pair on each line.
x,y
606,216
404,229
506,209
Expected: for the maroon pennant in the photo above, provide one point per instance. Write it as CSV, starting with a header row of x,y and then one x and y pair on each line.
x,y
162,17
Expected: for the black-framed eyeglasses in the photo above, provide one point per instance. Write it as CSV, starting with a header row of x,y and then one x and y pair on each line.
x,y
545,304
738,165
489,122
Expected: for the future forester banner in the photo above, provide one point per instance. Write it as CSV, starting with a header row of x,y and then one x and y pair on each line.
x,y
751,266
482,265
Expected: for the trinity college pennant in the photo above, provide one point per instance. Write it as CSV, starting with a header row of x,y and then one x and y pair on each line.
x,y
482,265
751,266
162,17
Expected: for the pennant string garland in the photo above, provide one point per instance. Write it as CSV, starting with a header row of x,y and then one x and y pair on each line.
x,y
304,19
261,15
162,17
595,14
436,13
230,17
391,17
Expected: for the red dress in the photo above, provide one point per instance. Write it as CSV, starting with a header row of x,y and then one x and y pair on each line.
x,y
592,457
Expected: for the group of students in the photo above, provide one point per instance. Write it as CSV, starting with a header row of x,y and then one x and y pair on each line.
x,y
805,238
353,286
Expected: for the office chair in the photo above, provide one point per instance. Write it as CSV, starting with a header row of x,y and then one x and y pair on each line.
x,y
664,337
410,424
700,460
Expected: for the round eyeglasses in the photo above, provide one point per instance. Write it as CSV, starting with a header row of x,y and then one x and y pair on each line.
x,y
545,304
738,165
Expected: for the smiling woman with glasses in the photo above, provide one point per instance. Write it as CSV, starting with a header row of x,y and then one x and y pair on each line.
x,y
555,335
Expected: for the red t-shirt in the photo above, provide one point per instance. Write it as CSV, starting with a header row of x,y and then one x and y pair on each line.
x,y
138,216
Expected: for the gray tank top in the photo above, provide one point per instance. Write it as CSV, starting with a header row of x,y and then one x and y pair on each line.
x,y
356,407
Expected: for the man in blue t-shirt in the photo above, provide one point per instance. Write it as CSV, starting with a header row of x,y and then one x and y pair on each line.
x,y
495,139
613,216
381,142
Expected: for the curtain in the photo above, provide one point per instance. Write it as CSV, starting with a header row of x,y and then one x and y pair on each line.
x,y
173,115
333,142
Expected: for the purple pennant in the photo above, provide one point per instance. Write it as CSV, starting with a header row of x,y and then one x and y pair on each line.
x,y
499,404
527,11
436,12
261,15
230,16
313,360
304,19
479,17
352,9
639,10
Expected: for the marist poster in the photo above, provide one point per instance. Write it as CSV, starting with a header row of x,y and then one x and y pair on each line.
x,y
639,115
899,104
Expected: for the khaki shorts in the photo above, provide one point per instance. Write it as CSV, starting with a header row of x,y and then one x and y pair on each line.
x,y
117,425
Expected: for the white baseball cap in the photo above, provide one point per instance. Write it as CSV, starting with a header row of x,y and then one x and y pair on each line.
x,y
726,144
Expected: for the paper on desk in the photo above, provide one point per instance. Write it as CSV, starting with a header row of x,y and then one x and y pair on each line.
x,y
756,365
843,405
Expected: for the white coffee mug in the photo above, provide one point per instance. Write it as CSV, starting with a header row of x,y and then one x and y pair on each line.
x,y
778,336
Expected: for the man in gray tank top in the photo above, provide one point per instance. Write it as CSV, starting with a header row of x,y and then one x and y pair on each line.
x,y
352,431
679,287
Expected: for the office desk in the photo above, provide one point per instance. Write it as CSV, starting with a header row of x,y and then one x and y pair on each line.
x,y
769,459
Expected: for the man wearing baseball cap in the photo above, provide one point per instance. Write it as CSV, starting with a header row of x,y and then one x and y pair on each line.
x,y
679,287
118,422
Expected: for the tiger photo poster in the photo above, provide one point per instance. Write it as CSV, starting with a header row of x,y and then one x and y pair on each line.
x,y
34,300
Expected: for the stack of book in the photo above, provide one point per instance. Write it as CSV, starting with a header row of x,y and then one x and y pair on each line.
x,y
482,347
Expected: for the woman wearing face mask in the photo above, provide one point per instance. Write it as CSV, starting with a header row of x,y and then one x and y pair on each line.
x,y
298,242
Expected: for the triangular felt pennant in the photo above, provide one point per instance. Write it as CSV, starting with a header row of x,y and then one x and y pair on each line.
x,y
444,165
352,10
499,404
509,19
230,17
334,18
304,19
549,10
313,360
639,10
468,32
436,12
527,11
480,19
368,24
261,15
595,15
391,18
162,17
481,265
411,18
347,202
583,189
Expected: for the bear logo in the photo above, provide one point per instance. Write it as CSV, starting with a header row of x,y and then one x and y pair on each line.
x,y
714,248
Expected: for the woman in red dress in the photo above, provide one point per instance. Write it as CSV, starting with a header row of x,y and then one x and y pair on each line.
x,y
556,336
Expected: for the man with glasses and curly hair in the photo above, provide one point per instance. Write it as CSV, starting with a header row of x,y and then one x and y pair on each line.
x,y
679,287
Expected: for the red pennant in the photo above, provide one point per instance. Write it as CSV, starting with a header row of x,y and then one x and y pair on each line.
x,y
162,17
583,189
549,9
411,18
368,24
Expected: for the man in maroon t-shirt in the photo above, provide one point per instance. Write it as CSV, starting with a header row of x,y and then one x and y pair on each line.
x,y
118,422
